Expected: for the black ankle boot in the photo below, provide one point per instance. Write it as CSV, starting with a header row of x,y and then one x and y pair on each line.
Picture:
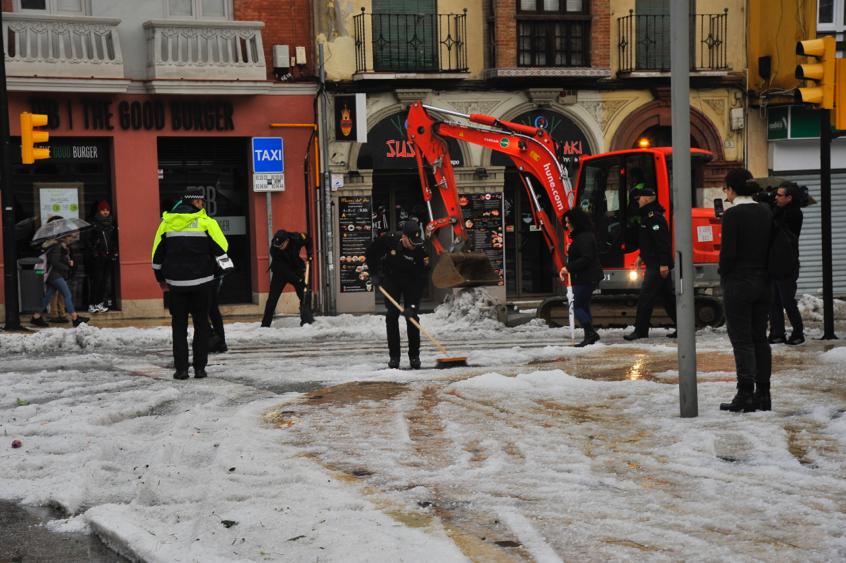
x,y
762,396
591,337
744,401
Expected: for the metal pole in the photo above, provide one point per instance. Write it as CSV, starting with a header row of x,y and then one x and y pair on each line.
x,y
682,222
825,225
328,216
269,212
10,265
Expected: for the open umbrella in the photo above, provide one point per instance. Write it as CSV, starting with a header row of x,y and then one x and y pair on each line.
x,y
59,228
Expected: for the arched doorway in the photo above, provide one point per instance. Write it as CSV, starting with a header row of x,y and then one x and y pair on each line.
x,y
655,119
528,264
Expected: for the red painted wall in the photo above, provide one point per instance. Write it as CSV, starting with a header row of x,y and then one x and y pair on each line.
x,y
135,175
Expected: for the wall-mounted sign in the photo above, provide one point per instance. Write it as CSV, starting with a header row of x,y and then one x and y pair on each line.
x,y
793,122
58,199
351,118
572,143
355,230
483,220
387,147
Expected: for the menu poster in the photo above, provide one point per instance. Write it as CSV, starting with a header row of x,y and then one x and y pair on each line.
x,y
483,221
356,233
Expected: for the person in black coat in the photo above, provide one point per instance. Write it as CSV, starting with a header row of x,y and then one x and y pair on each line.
x,y
744,279
656,253
398,263
287,267
584,270
102,247
788,215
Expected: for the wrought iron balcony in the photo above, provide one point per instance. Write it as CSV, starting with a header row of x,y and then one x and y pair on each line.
x,y
410,43
644,42
61,46
205,50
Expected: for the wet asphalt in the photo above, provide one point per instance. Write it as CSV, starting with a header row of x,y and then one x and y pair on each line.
x,y
24,538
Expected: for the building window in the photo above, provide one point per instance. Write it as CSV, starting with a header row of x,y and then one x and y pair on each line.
x,y
553,33
200,9
70,7
831,15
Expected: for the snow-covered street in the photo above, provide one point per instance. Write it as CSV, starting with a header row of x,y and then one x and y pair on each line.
x,y
302,446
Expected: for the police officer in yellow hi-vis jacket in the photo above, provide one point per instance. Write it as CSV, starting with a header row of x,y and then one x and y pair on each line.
x,y
188,250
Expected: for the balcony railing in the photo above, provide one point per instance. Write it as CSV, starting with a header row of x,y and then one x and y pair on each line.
x,y
62,46
644,42
205,50
415,43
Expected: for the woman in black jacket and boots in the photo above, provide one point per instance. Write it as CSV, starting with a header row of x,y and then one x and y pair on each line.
x,y
584,270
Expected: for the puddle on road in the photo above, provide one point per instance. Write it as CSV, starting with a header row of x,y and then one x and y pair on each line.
x,y
356,392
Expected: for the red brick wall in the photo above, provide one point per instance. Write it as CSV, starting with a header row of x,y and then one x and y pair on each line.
x,y
286,22
506,33
600,34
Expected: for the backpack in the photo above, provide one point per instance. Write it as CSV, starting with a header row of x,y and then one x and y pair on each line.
x,y
783,258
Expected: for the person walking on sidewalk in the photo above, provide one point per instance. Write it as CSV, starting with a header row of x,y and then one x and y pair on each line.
x,y
287,267
188,249
59,265
787,215
398,262
656,252
584,269
744,278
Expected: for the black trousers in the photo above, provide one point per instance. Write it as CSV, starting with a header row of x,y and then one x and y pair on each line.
x,y
747,303
654,289
101,276
278,281
784,300
196,302
214,310
408,293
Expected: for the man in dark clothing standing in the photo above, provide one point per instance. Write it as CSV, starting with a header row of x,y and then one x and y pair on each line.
x,y
287,267
656,252
189,248
398,263
788,215
102,243
746,291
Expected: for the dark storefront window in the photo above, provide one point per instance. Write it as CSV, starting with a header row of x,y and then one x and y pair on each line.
x,y
220,166
70,183
553,33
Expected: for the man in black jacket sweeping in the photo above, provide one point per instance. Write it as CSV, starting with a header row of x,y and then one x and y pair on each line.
x,y
399,264
656,252
287,267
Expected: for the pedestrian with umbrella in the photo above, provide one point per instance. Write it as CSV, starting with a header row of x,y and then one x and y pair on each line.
x,y
55,237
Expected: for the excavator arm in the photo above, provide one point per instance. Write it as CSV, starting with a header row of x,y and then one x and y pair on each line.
x,y
530,148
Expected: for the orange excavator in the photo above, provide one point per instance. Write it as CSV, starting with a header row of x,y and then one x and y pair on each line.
x,y
603,184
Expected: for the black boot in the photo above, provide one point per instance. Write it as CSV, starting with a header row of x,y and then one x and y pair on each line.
x,y
591,337
744,401
414,362
393,363
762,396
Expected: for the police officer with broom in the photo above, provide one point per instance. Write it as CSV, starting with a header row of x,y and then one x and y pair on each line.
x,y
398,263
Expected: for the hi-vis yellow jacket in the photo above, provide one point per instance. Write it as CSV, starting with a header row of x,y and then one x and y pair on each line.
x,y
189,249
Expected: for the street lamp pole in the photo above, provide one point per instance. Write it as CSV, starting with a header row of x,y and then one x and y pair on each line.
x,y
682,204
10,268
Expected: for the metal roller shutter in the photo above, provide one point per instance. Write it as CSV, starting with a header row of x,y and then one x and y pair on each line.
x,y
810,241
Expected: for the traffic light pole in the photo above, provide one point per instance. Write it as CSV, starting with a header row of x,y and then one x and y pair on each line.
x,y
10,266
682,203
825,225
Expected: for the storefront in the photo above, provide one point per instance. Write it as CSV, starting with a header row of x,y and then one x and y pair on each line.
x,y
140,153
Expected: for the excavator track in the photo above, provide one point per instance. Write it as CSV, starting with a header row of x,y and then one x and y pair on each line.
x,y
616,311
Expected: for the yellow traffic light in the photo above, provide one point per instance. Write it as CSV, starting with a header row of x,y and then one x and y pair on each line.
x,y
822,72
31,137
839,116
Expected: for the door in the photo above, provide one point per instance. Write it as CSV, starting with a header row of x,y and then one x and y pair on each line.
x,y
405,35
528,264
220,167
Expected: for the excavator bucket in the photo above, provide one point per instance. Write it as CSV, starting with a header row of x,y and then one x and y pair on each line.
x,y
464,269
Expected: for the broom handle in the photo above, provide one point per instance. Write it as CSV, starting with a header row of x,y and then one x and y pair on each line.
x,y
413,321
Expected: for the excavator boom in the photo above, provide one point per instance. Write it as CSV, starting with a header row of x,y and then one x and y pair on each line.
x,y
533,152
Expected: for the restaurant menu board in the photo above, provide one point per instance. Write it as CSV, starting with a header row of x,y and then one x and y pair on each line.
x,y
356,233
483,222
